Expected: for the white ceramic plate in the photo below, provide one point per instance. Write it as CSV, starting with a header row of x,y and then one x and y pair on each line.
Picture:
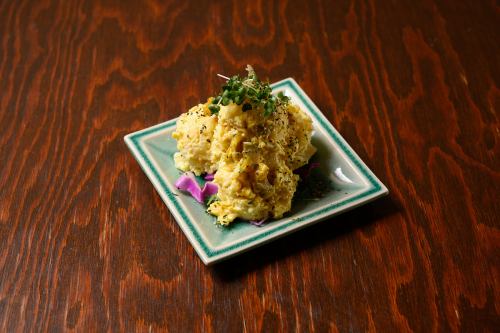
x,y
353,184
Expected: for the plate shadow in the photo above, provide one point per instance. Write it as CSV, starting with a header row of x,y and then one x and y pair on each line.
x,y
362,218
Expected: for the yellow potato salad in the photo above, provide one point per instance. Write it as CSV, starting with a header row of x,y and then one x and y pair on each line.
x,y
252,153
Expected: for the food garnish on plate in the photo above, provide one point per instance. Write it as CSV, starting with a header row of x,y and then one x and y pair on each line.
x,y
247,142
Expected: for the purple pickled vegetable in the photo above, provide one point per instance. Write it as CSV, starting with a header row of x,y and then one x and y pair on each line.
x,y
209,189
258,223
209,176
305,171
188,183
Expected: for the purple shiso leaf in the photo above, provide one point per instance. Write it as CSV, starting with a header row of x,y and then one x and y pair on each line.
x,y
209,176
188,183
258,223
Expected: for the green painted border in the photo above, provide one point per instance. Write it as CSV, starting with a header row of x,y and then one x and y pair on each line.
x,y
209,252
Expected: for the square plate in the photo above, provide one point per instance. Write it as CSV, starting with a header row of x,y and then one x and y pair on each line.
x,y
354,185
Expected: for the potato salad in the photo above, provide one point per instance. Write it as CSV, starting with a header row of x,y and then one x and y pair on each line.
x,y
252,141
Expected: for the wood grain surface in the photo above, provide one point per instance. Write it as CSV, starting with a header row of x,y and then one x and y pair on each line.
x,y
87,245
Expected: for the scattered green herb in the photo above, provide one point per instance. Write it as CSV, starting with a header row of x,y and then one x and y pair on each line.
x,y
249,91
211,199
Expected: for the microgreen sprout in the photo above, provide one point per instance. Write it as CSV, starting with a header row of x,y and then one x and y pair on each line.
x,y
211,199
249,91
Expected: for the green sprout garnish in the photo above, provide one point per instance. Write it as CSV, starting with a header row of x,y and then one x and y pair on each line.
x,y
249,91
211,199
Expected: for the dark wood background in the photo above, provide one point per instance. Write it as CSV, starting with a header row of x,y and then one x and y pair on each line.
x,y
86,244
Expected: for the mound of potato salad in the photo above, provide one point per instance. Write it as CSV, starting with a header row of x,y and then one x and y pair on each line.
x,y
252,141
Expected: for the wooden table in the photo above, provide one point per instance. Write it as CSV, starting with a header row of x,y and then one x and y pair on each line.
x,y
87,244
